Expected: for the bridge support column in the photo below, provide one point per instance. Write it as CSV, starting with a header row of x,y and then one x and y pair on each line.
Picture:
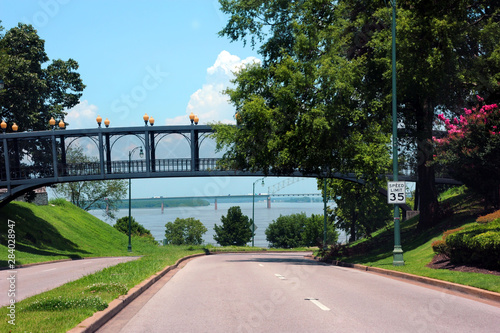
x,y
269,202
215,204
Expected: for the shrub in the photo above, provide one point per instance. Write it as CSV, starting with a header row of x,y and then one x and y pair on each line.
x,y
477,245
488,218
185,231
285,231
440,247
136,229
298,230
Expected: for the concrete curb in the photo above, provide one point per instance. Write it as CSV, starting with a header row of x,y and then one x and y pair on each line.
x,y
56,261
93,323
471,291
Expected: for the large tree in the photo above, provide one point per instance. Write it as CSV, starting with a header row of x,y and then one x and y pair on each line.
x,y
321,98
359,208
34,91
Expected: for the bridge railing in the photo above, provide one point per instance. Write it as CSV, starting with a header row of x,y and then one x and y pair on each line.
x,y
25,172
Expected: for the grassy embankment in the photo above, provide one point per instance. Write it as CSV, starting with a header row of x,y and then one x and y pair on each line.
x,y
463,208
64,231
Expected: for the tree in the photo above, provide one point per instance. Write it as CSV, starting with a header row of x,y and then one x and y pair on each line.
x,y
235,228
298,230
321,98
286,231
101,194
470,151
34,92
360,209
136,229
185,231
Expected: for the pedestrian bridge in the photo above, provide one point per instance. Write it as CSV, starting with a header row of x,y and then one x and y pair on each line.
x,y
31,160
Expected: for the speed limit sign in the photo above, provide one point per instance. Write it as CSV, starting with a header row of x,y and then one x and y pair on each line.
x,y
396,192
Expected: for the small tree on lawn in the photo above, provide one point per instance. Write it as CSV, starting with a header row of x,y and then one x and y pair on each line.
x,y
136,229
235,228
185,231
471,149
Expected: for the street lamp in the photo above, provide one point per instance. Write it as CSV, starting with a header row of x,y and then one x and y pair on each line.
x,y
253,208
397,254
141,154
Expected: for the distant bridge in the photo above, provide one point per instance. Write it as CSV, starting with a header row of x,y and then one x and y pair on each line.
x,y
229,198
31,160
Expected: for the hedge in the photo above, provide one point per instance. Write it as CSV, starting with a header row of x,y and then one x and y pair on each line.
x,y
477,245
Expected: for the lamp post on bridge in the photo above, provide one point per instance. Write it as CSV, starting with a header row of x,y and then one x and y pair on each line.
x,y
253,209
141,154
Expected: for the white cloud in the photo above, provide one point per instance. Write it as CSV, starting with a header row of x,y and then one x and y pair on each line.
x,y
82,115
208,102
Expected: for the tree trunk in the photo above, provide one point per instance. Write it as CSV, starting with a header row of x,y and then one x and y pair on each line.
x,y
352,238
428,203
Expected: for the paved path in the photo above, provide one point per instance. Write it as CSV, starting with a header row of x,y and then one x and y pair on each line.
x,y
276,292
33,280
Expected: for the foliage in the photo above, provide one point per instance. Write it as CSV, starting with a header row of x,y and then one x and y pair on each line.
x,y
136,229
300,110
236,228
167,202
489,217
471,149
101,194
297,230
320,99
34,91
185,231
440,246
359,209
477,244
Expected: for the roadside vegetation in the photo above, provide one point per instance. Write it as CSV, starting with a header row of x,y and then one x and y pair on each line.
x,y
461,210
64,231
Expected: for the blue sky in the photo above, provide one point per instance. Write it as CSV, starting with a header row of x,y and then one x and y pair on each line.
x,y
163,58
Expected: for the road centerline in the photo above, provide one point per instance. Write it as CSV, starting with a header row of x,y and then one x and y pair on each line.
x,y
318,303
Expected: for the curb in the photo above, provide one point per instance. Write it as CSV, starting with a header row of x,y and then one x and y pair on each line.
x,y
93,323
56,261
471,291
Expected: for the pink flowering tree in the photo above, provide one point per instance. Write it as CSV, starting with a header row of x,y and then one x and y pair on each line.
x,y
470,151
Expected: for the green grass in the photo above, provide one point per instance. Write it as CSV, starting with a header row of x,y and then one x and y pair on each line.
x,y
377,250
62,308
62,231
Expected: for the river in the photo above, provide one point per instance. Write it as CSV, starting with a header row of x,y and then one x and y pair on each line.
x,y
153,219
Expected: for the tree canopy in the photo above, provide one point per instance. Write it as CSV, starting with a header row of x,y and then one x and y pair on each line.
x,y
185,231
320,100
136,229
100,194
34,91
235,228
359,208
470,150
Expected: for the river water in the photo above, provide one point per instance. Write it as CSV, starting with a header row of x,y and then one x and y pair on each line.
x,y
153,219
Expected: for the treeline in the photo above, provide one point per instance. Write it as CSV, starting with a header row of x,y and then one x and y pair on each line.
x,y
156,203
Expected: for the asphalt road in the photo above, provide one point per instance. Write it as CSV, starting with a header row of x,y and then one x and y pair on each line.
x,y
36,279
288,293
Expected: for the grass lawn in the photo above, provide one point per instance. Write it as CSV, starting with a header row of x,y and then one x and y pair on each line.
x,y
62,308
417,245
